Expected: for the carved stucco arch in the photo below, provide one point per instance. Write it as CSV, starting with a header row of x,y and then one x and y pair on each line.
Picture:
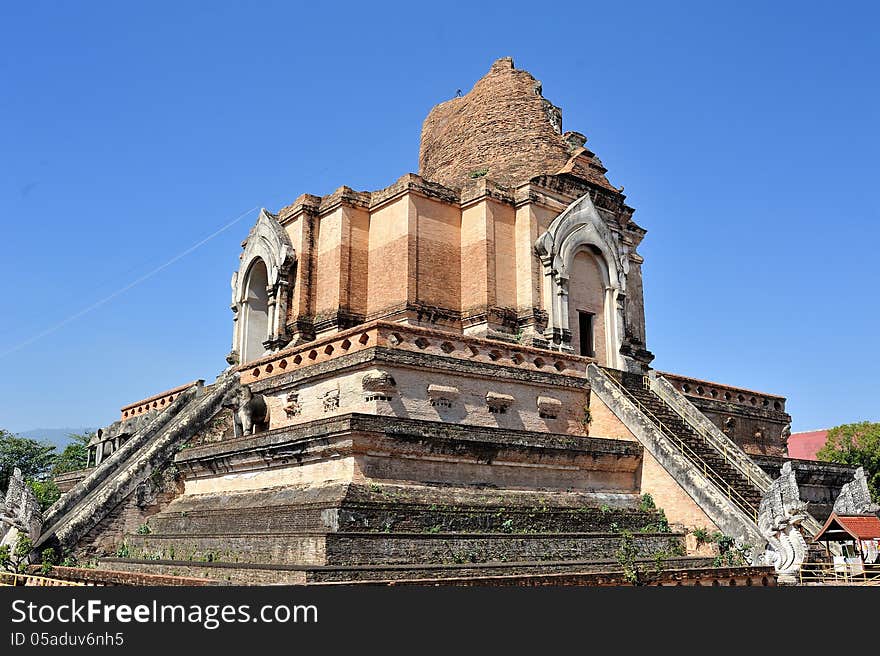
x,y
579,228
268,242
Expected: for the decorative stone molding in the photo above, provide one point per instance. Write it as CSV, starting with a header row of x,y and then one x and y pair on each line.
x,y
498,403
695,388
400,338
548,407
378,386
442,392
292,407
268,242
577,228
331,400
156,402
442,396
855,498
378,381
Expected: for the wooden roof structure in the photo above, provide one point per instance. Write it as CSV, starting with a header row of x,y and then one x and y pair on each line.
x,y
840,528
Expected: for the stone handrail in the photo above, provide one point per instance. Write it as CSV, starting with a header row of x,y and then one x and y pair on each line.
x,y
111,484
731,451
723,511
98,474
716,438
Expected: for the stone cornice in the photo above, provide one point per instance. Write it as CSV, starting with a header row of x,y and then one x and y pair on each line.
x,y
531,194
482,189
725,407
157,401
421,361
437,344
344,196
412,183
321,432
305,203
676,378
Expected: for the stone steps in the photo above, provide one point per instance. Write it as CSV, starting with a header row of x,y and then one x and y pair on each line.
x,y
347,549
239,573
661,411
86,504
405,518
363,549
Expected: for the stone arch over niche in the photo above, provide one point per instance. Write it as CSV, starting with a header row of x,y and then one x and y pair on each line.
x,y
587,285
268,260
255,312
576,237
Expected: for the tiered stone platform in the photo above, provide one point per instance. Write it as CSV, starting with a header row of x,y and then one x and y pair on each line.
x,y
341,532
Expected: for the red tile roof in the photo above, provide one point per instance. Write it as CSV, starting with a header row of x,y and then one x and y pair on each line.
x,y
860,527
804,446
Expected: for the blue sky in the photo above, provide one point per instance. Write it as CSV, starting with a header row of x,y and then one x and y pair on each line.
x,y
745,135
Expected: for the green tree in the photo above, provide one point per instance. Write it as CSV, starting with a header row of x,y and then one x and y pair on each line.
x,y
627,555
46,490
16,559
35,459
38,462
857,445
75,454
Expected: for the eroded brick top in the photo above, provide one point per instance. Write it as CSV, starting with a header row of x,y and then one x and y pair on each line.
x,y
505,130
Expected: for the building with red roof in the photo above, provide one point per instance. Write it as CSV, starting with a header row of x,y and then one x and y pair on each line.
x,y
840,528
805,445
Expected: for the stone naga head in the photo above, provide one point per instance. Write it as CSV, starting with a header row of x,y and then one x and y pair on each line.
x,y
855,497
779,518
20,511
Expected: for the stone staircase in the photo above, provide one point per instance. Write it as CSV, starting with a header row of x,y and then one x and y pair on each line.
x,y
150,447
721,478
249,574
708,471
354,531
739,487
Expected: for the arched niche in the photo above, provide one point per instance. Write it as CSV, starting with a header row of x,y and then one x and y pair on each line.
x,y
255,312
587,285
578,248
261,291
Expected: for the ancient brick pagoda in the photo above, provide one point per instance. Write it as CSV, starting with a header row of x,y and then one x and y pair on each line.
x,y
445,379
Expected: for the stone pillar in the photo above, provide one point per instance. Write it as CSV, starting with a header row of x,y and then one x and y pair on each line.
x,y
277,305
558,332
271,312
609,309
234,356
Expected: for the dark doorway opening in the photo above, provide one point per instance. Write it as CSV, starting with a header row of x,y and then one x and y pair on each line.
x,y
585,333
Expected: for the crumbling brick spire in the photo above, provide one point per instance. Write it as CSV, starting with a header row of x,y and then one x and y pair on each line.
x,y
503,129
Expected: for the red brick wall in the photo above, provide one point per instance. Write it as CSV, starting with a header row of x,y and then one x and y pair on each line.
x,y
501,125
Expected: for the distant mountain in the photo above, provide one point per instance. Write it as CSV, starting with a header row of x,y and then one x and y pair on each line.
x,y
57,436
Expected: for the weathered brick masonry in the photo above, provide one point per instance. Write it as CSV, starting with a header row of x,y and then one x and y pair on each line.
x,y
409,394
